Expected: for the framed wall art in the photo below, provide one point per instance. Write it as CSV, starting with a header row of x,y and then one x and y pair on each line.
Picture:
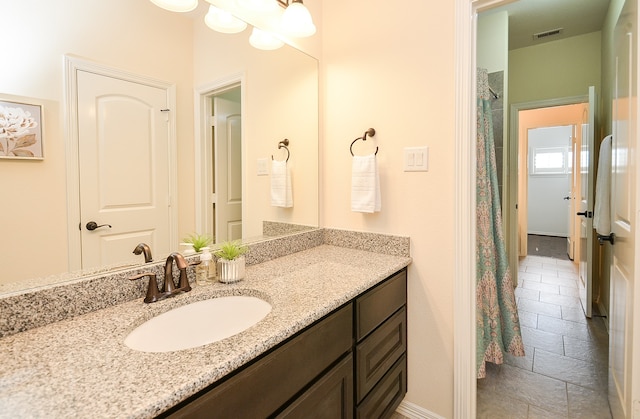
x,y
20,130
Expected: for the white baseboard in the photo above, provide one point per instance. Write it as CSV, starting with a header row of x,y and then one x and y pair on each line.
x,y
413,411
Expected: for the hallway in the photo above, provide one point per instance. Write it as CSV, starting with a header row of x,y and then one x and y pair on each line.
x,y
564,372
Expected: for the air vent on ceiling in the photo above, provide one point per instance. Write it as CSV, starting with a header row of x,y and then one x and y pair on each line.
x,y
546,34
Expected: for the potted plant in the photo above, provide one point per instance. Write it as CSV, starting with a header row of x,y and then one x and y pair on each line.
x,y
198,241
231,261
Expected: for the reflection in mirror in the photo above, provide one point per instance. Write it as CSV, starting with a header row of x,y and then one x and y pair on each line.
x,y
133,37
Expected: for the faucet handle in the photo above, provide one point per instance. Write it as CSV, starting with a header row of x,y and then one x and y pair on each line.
x,y
152,291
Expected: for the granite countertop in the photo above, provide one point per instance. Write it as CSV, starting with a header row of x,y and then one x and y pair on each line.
x,y
80,367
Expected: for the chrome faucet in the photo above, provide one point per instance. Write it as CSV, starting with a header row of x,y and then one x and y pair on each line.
x,y
144,248
168,288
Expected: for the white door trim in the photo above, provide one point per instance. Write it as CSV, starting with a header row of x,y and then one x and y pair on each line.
x,y
464,315
201,150
73,64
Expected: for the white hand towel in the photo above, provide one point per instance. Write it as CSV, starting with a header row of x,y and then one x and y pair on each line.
x,y
365,184
281,194
602,210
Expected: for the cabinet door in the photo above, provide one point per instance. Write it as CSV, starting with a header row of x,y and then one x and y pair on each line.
x,y
387,394
330,398
379,351
266,385
375,306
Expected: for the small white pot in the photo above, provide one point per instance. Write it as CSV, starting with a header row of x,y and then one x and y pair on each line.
x,y
231,270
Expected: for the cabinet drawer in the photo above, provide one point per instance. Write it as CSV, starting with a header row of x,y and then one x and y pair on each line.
x,y
387,395
379,351
263,387
330,398
376,305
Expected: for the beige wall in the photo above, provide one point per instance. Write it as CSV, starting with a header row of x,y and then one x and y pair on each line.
x,y
392,68
280,101
124,34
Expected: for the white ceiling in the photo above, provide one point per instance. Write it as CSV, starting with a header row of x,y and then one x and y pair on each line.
x,y
576,17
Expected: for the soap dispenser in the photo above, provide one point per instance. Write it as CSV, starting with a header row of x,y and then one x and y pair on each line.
x,y
205,271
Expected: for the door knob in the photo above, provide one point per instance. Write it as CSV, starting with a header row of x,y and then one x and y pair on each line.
x,y
566,198
587,214
92,225
611,238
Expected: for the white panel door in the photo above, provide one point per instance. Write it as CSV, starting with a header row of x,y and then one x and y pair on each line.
x,y
585,203
622,353
228,167
124,168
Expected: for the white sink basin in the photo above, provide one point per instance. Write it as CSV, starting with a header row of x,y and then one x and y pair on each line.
x,y
198,324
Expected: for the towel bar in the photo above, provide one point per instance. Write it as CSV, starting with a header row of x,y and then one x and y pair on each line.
x,y
283,144
371,132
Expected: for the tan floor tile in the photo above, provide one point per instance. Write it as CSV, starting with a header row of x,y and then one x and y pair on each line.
x,y
495,405
563,327
532,388
539,286
589,351
536,270
528,276
536,412
564,372
574,314
543,340
528,319
559,299
527,293
556,280
552,310
525,362
571,370
585,403
569,291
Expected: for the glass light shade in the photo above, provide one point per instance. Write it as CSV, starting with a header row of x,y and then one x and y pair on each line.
x,y
258,5
222,21
296,21
176,5
264,40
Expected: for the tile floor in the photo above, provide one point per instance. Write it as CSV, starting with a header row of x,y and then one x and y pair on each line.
x,y
564,372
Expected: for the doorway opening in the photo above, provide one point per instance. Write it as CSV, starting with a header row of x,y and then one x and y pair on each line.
x,y
549,181
219,178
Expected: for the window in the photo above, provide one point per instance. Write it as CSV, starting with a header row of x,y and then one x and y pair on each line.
x,y
549,160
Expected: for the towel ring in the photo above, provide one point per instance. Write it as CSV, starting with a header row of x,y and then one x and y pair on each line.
x,y
283,144
371,132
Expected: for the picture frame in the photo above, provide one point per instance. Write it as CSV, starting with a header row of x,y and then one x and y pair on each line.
x,y
21,129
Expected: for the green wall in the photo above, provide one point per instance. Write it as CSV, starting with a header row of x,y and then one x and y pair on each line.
x,y
556,69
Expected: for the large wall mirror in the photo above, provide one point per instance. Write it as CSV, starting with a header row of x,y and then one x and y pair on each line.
x,y
278,93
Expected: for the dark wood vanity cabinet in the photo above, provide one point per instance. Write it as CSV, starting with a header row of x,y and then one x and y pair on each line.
x,y
351,363
381,347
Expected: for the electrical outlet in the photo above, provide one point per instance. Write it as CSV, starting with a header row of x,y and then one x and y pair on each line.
x,y
416,159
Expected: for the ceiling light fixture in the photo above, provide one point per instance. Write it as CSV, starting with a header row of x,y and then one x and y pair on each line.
x,y
176,5
264,40
271,23
223,21
258,5
296,19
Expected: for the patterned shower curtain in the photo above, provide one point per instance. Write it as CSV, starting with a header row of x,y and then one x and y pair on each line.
x,y
497,323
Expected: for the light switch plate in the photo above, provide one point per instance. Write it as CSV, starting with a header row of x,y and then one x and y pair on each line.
x,y
263,167
416,159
